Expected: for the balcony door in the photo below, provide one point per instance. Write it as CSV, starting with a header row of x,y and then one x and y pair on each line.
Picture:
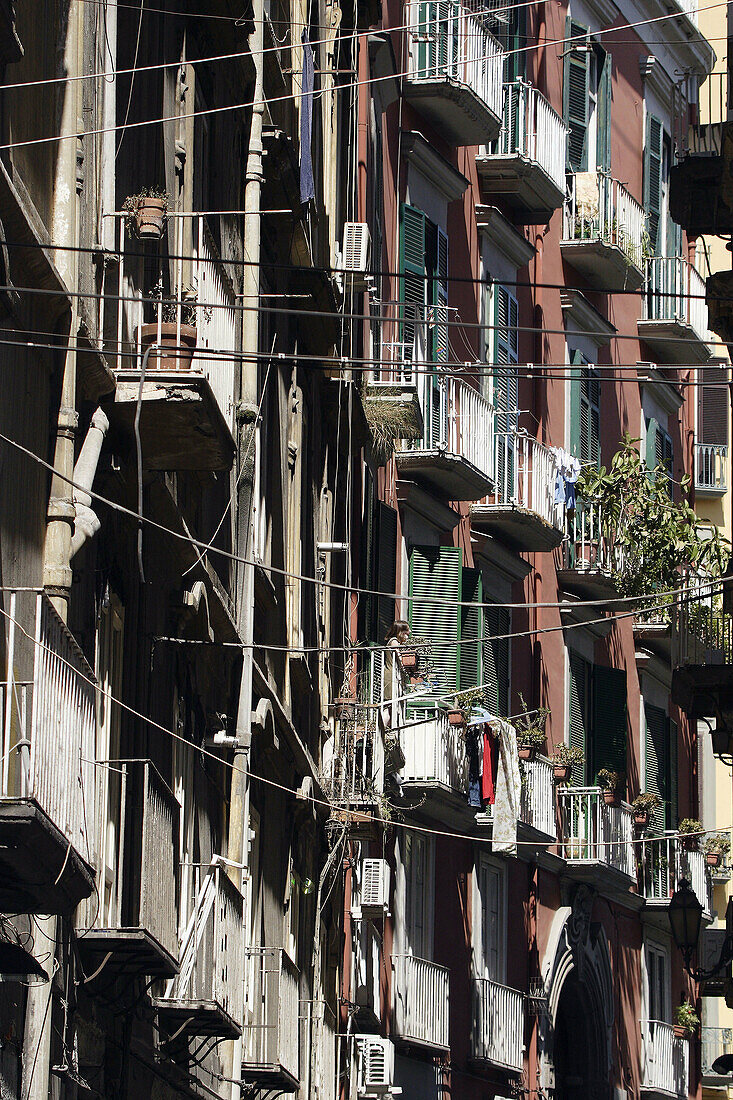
x,y
418,862
658,1001
506,391
489,921
109,675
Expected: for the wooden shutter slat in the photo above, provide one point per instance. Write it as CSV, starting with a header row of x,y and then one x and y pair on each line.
x,y
471,627
653,179
656,768
579,712
495,652
386,568
609,719
435,571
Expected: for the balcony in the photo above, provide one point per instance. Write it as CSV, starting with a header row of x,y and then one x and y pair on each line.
x,y
207,995
142,936
663,861
395,391
588,558
454,70
597,840
367,970
47,773
271,1053
603,227
521,510
702,655
526,165
665,1066
318,1034
711,469
698,197
436,762
716,1041
537,805
497,1031
455,454
719,297
186,388
420,1002
675,317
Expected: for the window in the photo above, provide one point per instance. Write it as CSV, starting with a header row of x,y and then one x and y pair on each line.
x,y
424,280
657,983
489,923
597,717
664,235
660,765
496,658
292,910
506,387
379,557
659,449
712,406
587,101
418,866
585,410
509,24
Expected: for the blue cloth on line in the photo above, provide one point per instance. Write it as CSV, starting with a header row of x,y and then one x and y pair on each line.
x,y
569,495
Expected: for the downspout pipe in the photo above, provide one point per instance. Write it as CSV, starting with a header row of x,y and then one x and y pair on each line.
x,y
87,523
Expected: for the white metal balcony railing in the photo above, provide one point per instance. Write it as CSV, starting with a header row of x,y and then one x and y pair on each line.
x,y
420,1001
497,1033
593,832
675,291
318,1043
588,545
524,476
205,281
271,1037
450,41
702,632
435,751
665,1060
599,208
716,1041
48,699
663,861
689,7
711,467
212,947
400,343
537,804
531,129
459,421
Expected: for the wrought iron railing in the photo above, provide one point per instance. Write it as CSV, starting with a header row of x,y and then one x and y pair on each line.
x,y
665,1060
497,1032
599,208
675,291
533,130
711,467
271,1037
594,832
663,861
458,421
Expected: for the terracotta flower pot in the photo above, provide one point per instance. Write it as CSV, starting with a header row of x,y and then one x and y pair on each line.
x,y
150,218
409,659
177,346
680,1031
456,718
713,859
526,752
641,818
562,772
344,706
610,797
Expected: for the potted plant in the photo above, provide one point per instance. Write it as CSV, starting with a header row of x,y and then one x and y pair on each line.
x,y
564,759
690,830
609,781
686,1021
408,658
177,336
344,706
642,807
463,703
716,847
531,731
146,213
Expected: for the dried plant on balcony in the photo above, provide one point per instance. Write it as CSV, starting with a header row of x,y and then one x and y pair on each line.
x,y
388,422
530,727
654,537
690,826
608,780
568,756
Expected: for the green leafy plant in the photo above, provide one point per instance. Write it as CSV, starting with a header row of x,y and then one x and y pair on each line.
x,y
608,779
567,755
717,844
686,1017
132,204
689,826
645,802
531,727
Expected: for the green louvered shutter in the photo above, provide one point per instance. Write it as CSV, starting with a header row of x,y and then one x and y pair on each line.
x,y
435,571
440,299
603,142
506,384
471,628
650,453
653,180
672,803
579,705
386,568
576,94
590,416
609,720
576,359
656,767
495,651
413,274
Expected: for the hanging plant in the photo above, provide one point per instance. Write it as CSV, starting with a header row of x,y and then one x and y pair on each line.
x,y
146,213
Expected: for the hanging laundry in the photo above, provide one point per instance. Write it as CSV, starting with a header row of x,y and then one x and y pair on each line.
x,y
491,763
508,789
474,738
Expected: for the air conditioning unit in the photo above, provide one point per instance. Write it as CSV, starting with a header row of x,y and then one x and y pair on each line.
x,y
373,887
375,1065
356,252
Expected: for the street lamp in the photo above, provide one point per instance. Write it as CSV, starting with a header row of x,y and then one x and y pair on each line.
x,y
685,918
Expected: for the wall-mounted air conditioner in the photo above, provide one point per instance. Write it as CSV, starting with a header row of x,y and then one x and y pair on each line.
x,y
375,1065
356,253
371,898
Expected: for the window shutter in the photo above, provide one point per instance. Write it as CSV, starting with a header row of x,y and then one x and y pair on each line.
x,y
435,571
656,768
576,360
590,416
578,713
506,384
471,627
576,99
440,299
603,143
672,804
412,271
609,719
653,180
712,410
386,568
650,454
495,652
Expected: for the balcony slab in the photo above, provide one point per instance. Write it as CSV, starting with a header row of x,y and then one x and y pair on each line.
x,y
590,584
605,266
522,528
181,1019
525,186
674,341
40,872
454,109
452,475
125,952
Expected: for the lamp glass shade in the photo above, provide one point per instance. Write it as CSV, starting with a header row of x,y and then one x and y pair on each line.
x,y
685,917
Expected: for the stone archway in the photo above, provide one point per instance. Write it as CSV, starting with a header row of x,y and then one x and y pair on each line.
x,y
575,1035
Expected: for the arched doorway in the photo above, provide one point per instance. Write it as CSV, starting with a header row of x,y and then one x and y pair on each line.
x,y
578,1061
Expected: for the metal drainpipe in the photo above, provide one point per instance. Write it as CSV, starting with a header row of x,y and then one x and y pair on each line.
x,y
61,511
238,839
